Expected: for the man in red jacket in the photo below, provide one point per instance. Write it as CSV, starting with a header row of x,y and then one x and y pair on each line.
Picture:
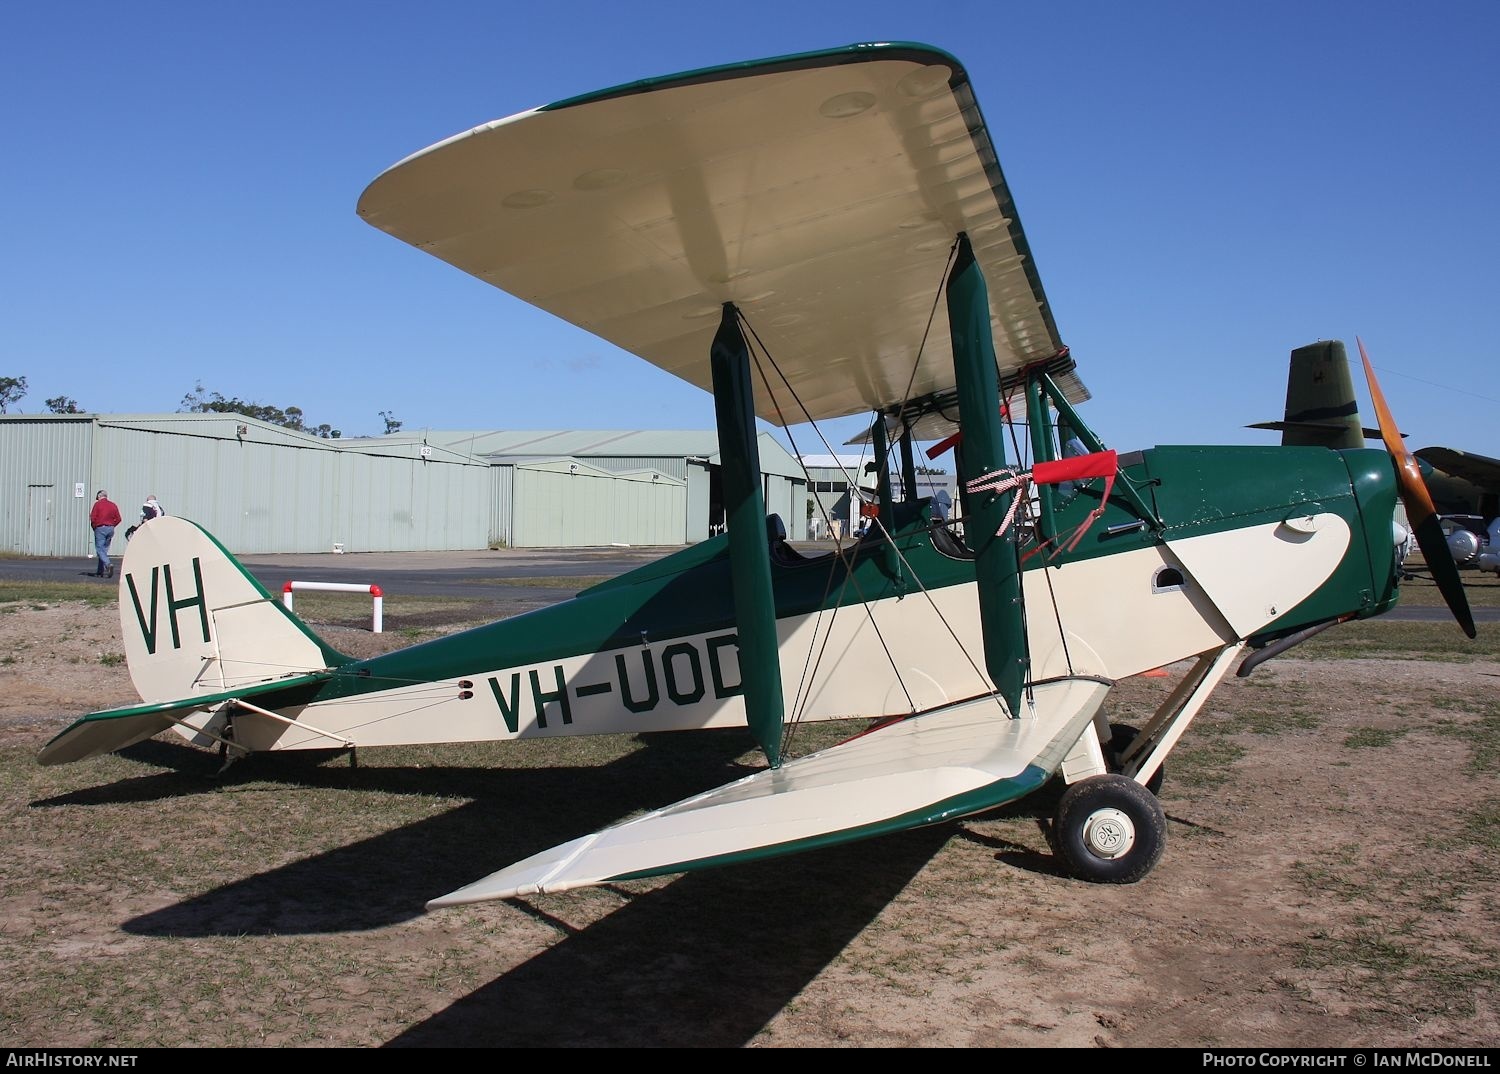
x,y
104,518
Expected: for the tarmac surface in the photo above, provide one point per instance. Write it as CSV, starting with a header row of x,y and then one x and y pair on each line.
x,y
470,574
462,574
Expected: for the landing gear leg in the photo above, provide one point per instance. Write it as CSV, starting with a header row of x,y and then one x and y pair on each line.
x,y
1121,737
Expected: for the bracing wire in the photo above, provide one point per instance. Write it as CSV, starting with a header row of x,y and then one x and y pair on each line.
x,y
932,314
849,578
962,648
927,329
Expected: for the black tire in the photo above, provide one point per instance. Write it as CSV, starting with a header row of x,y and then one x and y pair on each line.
x,y
1121,735
1109,815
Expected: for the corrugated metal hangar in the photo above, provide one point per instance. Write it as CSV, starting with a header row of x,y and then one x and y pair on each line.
x,y
262,488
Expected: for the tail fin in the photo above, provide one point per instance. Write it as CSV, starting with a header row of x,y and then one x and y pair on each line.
x,y
195,622
1320,406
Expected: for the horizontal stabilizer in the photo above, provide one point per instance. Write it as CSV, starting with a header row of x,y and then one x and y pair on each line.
x,y
114,729
929,768
1314,427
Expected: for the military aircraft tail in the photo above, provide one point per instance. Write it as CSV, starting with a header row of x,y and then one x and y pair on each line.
x,y
1321,410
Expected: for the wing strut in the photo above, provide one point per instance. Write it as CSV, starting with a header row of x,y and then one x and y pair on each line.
x,y
908,466
749,548
996,566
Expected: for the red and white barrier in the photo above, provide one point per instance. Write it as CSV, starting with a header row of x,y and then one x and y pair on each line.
x,y
339,587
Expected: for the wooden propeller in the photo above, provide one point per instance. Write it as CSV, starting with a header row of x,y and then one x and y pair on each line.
x,y
1420,512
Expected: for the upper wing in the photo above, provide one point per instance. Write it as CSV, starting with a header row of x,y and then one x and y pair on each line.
x,y
821,193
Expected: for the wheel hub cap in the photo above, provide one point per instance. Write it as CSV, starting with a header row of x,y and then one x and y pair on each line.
x,y
1109,833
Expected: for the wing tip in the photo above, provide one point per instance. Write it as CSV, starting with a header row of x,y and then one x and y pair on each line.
x,y
477,893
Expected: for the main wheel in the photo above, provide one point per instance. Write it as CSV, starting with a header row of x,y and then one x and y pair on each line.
x,y
1109,830
1121,735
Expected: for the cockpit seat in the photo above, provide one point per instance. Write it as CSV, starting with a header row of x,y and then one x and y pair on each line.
x,y
781,552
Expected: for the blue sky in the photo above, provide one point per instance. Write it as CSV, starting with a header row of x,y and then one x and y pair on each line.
x,y
1205,187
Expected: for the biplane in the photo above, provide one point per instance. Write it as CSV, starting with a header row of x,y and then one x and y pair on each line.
x,y
808,237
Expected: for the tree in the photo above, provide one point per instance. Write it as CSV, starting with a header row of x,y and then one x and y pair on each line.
x,y
392,424
199,401
62,404
11,391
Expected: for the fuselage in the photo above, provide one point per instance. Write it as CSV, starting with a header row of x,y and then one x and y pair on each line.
x,y
1255,543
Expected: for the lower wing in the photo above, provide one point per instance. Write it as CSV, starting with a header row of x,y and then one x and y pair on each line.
x,y
936,766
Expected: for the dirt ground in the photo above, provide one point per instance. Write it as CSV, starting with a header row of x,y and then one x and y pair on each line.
x,y
1329,881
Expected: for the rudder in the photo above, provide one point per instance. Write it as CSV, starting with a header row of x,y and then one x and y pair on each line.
x,y
195,621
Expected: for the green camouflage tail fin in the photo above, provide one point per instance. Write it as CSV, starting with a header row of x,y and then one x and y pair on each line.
x,y
1320,407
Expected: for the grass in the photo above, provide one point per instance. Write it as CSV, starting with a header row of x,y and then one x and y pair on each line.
x,y
1398,960
1484,825
1392,943
1203,763
98,594
412,617
1481,731
1372,737
280,905
1385,639
1481,590
1276,722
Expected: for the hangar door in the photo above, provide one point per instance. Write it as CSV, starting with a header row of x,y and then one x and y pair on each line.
x,y
39,521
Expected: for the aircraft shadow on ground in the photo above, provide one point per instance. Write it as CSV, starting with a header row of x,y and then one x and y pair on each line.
x,y
706,961
512,813
190,771
388,877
